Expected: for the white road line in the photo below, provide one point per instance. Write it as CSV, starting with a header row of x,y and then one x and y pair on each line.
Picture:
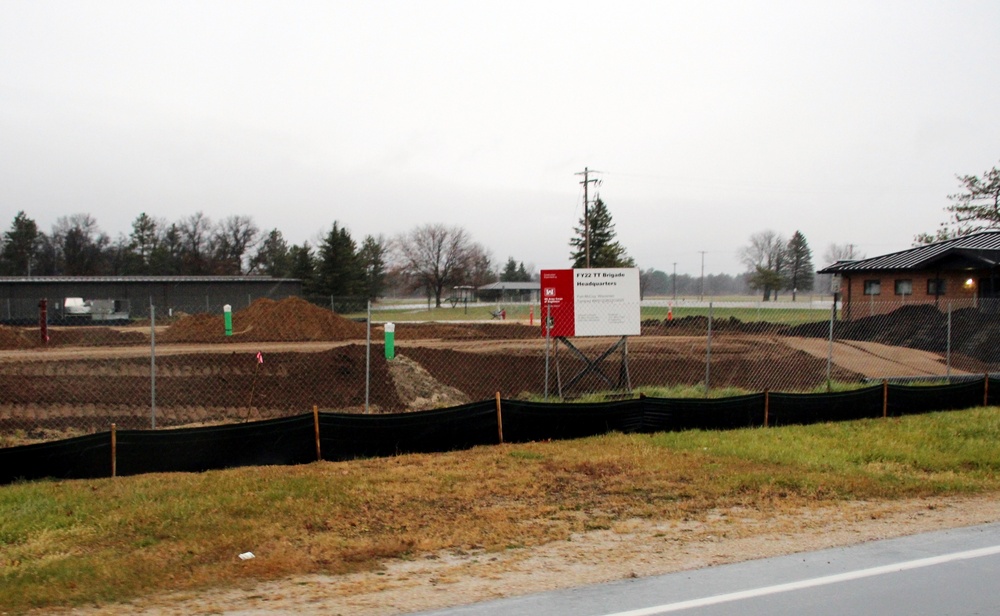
x,y
820,581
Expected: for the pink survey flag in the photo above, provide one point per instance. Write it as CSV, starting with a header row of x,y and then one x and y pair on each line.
x,y
260,358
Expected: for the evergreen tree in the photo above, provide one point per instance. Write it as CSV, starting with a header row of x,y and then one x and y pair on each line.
x,y
273,257
799,270
143,240
303,267
373,262
338,268
605,250
514,272
20,246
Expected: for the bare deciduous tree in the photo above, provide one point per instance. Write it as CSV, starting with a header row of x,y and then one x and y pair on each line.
x,y
766,260
232,241
434,256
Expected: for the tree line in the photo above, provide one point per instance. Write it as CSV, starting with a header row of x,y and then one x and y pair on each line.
x,y
430,258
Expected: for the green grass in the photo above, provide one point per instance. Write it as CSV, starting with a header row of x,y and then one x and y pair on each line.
x,y
522,312
698,391
473,312
73,543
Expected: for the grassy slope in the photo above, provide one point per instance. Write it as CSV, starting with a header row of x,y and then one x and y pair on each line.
x,y
76,542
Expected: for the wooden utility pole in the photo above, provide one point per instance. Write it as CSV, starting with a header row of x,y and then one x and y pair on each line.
x,y
586,211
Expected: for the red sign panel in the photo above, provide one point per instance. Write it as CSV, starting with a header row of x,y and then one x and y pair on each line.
x,y
558,314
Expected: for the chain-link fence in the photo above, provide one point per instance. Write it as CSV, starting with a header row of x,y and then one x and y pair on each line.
x,y
179,368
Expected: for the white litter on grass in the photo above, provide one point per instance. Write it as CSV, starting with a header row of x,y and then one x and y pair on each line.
x,y
246,556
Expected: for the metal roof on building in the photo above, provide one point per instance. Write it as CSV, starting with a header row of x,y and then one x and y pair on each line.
x,y
511,286
970,247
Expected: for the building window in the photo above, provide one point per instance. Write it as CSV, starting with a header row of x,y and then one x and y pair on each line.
x,y
873,287
904,287
935,286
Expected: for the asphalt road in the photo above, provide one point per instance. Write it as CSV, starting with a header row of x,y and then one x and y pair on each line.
x,y
948,572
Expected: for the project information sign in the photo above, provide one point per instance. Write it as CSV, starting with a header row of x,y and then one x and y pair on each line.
x,y
590,302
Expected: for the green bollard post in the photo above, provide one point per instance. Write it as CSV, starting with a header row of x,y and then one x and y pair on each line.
x,y
227,312
390,340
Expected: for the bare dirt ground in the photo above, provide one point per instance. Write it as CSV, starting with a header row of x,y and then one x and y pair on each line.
x,y
69,388
632,548
874,360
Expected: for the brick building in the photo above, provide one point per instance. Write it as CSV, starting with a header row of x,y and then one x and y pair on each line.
x,y
952,274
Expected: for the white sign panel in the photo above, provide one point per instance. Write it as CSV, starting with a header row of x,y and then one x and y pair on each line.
x,y
592,302
606,302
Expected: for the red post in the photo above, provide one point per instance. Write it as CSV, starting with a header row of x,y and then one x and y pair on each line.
x,y
43,319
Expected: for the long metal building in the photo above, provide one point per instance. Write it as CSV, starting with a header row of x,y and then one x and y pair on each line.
x,y
133,295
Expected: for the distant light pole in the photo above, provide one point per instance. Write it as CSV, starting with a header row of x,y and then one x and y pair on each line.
x,y
675,281
702,274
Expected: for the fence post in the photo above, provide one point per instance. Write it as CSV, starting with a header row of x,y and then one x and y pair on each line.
x,y
152,367
499,420
885,398
708,352
767,406
829,350
948,346
368,354
319,454
114,450
548,338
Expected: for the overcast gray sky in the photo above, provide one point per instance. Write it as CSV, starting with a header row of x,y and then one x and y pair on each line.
x,y
708,120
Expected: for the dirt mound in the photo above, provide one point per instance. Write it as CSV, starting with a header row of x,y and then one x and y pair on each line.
x,y
28,338
974,332
95,336
12,338
699,324
265,320
419,389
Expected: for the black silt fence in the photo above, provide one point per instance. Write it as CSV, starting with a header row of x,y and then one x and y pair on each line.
x,y
914,400
342,436
675,414
82,457
790,409
345,436
289,440
538,421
